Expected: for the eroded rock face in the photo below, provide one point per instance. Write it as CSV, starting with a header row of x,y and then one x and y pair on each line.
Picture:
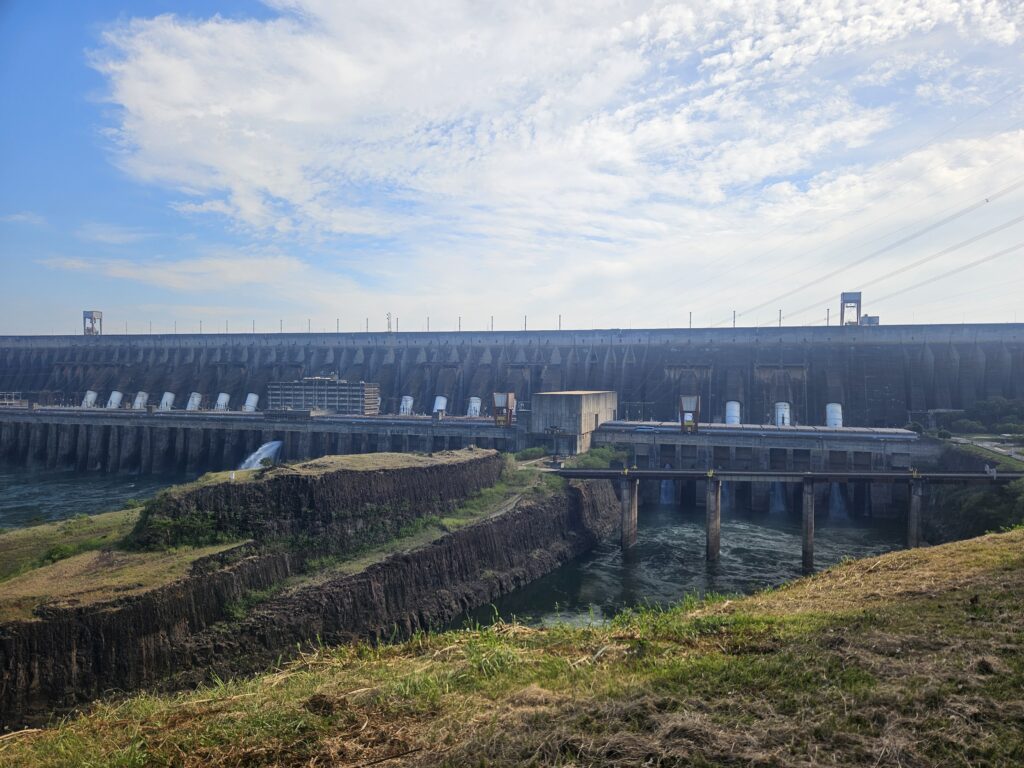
x,y
177,634
331,510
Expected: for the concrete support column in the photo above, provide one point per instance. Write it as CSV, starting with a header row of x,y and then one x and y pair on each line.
x,y
808,528
914,514
630,494
713,511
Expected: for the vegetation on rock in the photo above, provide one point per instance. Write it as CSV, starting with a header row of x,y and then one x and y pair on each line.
x,y
912,658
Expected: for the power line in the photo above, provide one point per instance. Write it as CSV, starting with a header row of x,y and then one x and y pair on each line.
x,y
774,267
954,271
878,172
902,241
925,260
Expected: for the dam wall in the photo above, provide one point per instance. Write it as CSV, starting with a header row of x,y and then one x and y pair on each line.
x,y
878,373
178,442
180,634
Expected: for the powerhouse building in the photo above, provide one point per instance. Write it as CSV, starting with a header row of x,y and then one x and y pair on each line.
x,y
325,393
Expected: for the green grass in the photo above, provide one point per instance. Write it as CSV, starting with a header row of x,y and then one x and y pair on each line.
x,y
239,609
23,549
912,658
1002,462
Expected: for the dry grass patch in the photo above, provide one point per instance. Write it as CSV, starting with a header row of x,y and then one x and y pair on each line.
x,y
95,577
365,462
25,548
910,659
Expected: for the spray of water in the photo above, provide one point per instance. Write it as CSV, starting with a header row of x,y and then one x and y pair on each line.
x,y
836,503
667,494
266,451
777,504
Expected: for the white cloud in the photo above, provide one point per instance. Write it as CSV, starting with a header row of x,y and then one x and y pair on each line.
x,y
24,217
109,234
554,144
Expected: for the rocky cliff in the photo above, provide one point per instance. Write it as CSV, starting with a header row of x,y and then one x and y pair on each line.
x,y
180,633
335,504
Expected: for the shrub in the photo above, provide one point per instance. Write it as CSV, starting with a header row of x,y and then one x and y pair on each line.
x,y
967,426
596,458
1009,428
916,426
530,454
944,434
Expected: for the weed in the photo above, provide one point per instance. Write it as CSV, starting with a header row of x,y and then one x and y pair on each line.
x,y
530,454
874,662
596,458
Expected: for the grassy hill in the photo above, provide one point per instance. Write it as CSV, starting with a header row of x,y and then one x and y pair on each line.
x,y
913,658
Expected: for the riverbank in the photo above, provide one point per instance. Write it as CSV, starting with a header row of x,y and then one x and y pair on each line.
x,y
911,658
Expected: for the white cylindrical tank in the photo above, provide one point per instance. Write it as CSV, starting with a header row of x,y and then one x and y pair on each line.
x,y
732,412
474,407
141,400
115,399
167,401
833,415
194,401
440,403
782,415
251,401
89,401
405,409
222,402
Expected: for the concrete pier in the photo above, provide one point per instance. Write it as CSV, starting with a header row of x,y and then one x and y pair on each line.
x,y
630,495
808,526
914,514
713,510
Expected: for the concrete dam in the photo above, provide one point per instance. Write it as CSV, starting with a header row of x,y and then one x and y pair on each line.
x,y
878,374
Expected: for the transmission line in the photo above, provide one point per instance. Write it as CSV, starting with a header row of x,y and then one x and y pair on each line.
x,y
902,241
954,271
925,260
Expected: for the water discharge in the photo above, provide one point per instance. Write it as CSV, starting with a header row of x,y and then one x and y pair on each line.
x,y
269,451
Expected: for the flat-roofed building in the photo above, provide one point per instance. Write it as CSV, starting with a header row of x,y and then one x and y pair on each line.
x,y
568,419
325,393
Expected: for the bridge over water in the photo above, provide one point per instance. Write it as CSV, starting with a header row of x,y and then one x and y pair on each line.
x,y
629,482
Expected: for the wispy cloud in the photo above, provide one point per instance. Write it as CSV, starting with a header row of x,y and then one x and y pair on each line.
x,y
109,234
24,217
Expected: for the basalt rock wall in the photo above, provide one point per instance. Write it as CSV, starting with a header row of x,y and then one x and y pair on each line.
x,y
419,590
333,509
879,374
74,654
177,635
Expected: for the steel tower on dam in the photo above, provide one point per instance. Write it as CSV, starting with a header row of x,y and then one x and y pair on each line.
x,y
880,374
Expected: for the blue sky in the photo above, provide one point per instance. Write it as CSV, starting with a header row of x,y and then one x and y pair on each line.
x,y
303,160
